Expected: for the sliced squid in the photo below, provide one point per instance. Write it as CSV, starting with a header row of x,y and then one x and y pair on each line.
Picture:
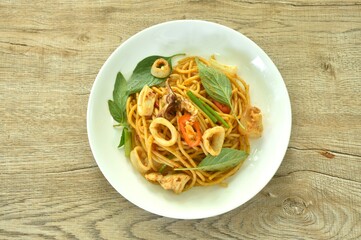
x,y
213,139
145,103
175,182
160,68
254,122
154,130
139,160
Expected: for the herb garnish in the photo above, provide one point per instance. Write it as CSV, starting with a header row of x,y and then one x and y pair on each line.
x,y
122,89
120,95
217,85
227,159
142,74
210,112
117,108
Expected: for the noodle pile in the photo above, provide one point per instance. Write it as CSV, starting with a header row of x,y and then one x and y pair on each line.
x,y
162,160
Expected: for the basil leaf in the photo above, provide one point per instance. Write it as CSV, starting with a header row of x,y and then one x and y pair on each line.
x,y
142,74
216,83
118,105
115,111
227,159
122,139
120,91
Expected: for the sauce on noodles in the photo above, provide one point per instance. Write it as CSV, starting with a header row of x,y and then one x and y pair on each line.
x,y
172,133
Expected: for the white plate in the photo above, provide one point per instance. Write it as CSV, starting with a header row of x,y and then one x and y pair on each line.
x,y
268,92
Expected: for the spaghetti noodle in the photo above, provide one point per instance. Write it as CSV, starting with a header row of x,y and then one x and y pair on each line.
x,y
162,144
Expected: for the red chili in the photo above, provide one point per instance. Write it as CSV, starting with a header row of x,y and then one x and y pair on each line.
x,y
182,124
224,108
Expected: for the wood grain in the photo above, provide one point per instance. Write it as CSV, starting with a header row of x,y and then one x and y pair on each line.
x,y
50,185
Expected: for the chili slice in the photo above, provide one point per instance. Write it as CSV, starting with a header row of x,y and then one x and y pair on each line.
x,y
224,108
182,125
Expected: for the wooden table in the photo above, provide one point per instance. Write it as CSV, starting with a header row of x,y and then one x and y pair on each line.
x,y
50,185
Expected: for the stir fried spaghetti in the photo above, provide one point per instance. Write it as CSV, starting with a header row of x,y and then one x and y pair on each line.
x,y
171,134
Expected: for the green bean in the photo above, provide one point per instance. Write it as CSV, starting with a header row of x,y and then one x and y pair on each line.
x,y
201,106
210,112
218,117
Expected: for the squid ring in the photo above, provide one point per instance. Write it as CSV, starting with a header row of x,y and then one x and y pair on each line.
x,y
146,99
213,139
139,159
157,137
160,68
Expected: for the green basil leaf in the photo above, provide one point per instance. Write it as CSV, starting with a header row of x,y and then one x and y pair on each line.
x,y
120,91
216,83
115,111
142,74
122,139
117,107
227,159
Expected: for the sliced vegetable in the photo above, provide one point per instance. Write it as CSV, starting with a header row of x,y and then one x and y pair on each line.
x,y
227,159
210,112
224,108
182,123
225,68
127,141
201,106
219,118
